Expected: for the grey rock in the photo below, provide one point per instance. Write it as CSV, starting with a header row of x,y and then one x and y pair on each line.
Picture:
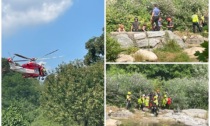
x,y
198,113
195,39
176,38
124,40
122,114
151,34
140,35
152,42
191,117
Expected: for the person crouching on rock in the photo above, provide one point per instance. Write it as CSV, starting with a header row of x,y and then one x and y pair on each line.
x,y
121,28
144,27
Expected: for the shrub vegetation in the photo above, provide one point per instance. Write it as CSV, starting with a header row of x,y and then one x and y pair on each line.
x,y
187,85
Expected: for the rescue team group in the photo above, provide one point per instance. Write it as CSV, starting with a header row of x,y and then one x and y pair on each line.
x,y
151,101
156,22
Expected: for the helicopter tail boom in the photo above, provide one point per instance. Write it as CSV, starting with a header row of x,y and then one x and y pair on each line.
x,y
20,69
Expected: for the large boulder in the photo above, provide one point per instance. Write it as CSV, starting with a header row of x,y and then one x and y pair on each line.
x,y
144,43
176,38
124,58
146,55
112,122
122,114
195,39
191,51
124,40
141,35
152,34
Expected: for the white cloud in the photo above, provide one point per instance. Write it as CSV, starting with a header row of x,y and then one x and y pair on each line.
x,y
21,13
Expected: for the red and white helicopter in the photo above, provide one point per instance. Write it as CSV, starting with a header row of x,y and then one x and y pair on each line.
x,y
30,69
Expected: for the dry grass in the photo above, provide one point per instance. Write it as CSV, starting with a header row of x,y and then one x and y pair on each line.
x,y
138,58
173,57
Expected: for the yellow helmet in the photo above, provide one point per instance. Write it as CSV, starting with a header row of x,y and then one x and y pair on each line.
x,y
129,93
155,96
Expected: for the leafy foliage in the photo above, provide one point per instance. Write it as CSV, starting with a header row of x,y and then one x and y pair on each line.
x,y
118,85
75,94
164,72
112,49
186,91
13,116
193,92
42,119
205,54
15,87
19,96
95,47
124,11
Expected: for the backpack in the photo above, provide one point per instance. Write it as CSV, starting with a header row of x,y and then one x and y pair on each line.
x,y
169,101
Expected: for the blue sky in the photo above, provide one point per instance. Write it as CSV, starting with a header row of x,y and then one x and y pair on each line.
x,y
34,28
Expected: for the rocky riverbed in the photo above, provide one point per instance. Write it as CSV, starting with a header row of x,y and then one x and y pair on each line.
x,y
189,117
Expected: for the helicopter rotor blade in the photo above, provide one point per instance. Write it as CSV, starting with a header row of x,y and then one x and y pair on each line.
x,y
50,58
20,60
22,56
50,53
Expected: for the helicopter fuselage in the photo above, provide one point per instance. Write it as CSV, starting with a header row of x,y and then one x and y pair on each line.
x,y
30,69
